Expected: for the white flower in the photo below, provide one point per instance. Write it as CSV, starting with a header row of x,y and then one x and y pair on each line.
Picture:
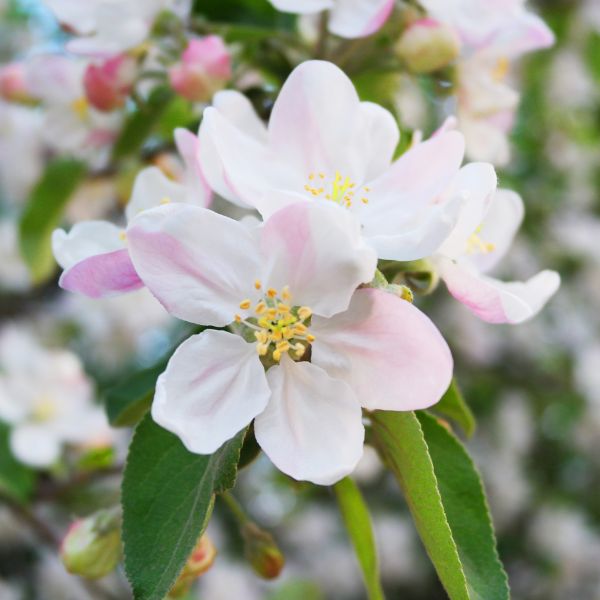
x,y
325,146
94,254
288,288
108,27
347,18
47,400
482,236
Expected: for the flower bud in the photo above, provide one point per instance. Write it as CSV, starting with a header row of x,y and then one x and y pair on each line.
x,y
13,85
427,45
108,84
204,69
261,551
200,560
92,546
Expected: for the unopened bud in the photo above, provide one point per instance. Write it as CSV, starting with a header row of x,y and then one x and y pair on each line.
x,y
428,45
92,546
199,561
204,69
108,84
13,85
262,552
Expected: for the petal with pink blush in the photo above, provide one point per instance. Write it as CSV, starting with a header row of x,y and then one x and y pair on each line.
x,y
199,264
214,385
390,353
316,250
317,124
102,275
188,146
359,18
495,301
312,428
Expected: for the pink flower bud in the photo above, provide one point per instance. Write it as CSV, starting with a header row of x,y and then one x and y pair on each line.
x,y
262,552
204,69
12,83
428,45
200,560
92,546
108,84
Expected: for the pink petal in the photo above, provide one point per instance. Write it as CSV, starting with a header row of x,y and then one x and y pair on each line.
x,y
388,351
359,18
102,275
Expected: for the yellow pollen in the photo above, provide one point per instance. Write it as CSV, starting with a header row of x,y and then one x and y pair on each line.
x,y
165,200
245,304
238,319
475,245
122,236
277,355
283,308
304,312
262,349
501,69
260,308
364,200
310,338
257,284
81,108
339,189
272,293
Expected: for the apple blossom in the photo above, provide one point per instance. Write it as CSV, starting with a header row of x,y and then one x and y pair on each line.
x,y
481,238
493,33
347,18
46,399
204,69
108,27
108,84
94,254
325,146
71,125
287,288
13,86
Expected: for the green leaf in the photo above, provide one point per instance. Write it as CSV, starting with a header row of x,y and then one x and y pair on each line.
x,y
453,406
167,496
358,523
128,401
140,124
467,511
16,479
44,212
298,590
446,498
399,439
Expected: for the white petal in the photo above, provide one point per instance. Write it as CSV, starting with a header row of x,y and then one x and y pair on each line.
x,y
238,110
84,240
312,428
35,445
153,188
359,18
495,301
213,387
302,6
382,135
198,263
316,250
390,353
197,188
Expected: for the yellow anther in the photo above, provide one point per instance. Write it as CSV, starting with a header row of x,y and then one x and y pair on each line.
x,y
366,189
165,200
311,176
257,284
272,293
322,175
285,292
238,319
364,200
262,349
245,304
304,312
300,329
276,355
261,336
81,107
310,338
501,69
284,309
122,236
264,323
283,346
287,333
276,335
271,313
260,308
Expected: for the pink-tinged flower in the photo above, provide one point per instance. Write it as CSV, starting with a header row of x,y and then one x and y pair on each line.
x,y
481,238
287,289
325,146
13,85
493,34
107,27
95,255
204,69
46,399
347,18
108,84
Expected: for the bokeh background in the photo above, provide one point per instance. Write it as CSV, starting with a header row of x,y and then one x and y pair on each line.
x,y
535,388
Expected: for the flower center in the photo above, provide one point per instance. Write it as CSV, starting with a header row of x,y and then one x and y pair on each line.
x,y
339,189
277,325
81,108
500,69
43,409
476,245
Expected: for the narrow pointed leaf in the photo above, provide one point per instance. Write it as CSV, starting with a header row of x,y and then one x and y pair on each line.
x,y
399,439
467,511
454,406
167,496
358,524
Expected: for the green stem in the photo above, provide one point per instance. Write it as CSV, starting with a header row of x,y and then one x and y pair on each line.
x,y
235,508
321,45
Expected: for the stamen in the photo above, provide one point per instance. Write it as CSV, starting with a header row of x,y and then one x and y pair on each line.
x,y
257,284
245,304
340,189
